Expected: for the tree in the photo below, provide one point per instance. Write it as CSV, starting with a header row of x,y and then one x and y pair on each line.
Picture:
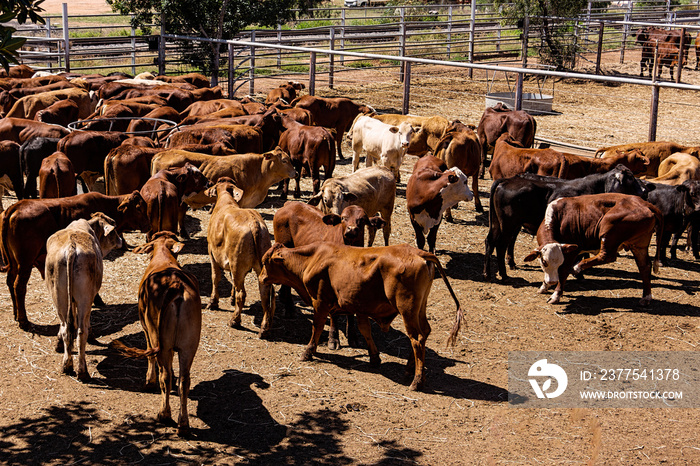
x,y
19,10
553,19
211,19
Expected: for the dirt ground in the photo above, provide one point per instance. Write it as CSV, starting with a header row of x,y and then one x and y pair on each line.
x,y
255,402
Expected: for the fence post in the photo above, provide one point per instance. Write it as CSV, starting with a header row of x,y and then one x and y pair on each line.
x,y
48,36
654,112
472,26
577,30
518,100
312,73
279,42
133,50
251,73
161,46
66,43
331,59
600,47
498,37
588,19
402,43
231,70
406,89
449,32
680,57
342,35
626,31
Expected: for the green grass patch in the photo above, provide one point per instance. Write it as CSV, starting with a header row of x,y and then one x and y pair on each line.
x,y
359,64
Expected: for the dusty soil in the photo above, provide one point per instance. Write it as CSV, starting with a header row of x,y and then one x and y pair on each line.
x,y
75,7
254,401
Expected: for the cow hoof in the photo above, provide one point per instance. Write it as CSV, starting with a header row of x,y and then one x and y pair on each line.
x,y
307,355
213,306
184,431
151,387
84,377
98,301
24,325
165,419
645,301
184,235
59,345
375,360
68,370
264,335
553,300
234,323
512,266
333,344
416,385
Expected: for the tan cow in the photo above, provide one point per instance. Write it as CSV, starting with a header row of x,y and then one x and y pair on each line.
x,y
21,130
380,283
677,168
655,151
170,310
427,134
238,238
73,276
28,106
253,173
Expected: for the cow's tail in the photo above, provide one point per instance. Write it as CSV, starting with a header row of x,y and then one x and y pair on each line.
x,y
109,176
4,254
563,167
428,257
659,234
132,352
72,318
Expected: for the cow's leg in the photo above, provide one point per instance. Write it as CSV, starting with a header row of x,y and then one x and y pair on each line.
x,y
510,254
19,287
165,366
83,315
285,188
238,296
387,231
484,154
475,191
420,238
181,221
665,239
338,140
297,181
316,180
606,255
267,299
183,421
674,243
641,257
488,250
320,315
356,151
216,273
65,337
418,333
448,215
333,339
432,237
366,330
287,301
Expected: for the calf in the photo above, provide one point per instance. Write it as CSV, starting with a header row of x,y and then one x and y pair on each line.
x,y
73,275
61,113
31,154
170,310
380,283
238,238
10,170
309,147
286,92
87,151
372,188
680,206
299,224
600,223
165,194
655,151
510,159
521,201
427,131
56,177
383,143
431,190
27,224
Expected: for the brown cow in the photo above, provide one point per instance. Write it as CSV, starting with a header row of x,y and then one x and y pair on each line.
x,y
17,71
241,138
150,127
580,166
9,97
10,170
310,148
27,106
196,79
286,92
300,115
165,194
207,107
298,224
500,119
28,223
87,151
21,130
73,277
697,51
61,113
427,134
510,159
127,168
600,223
380,283
459,147
337,113
678,168
655,151
170,310
253,173
270,124
431,190
174,97
238,238
669,42
56,177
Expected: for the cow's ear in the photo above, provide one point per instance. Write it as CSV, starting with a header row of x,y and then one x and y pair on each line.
x,y
534,254
332,219
569,248
377,222
107,229
315,199
236,192
683,188
211,192
646,160
177,247
394,129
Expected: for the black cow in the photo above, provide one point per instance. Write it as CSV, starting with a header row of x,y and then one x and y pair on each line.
x,y
520,202
680,206
31,154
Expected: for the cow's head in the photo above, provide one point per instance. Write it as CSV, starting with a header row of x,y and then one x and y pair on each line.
x,y
191,181
134,212
621,180
691,191
551,256
634,159
274,267
333,197
224,185
278,163
353,219
105,230
163,240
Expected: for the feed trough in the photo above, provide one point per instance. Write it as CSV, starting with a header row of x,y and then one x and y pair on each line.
x,y
534,104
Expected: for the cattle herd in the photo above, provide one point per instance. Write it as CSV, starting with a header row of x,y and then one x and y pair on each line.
x,y
165,144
